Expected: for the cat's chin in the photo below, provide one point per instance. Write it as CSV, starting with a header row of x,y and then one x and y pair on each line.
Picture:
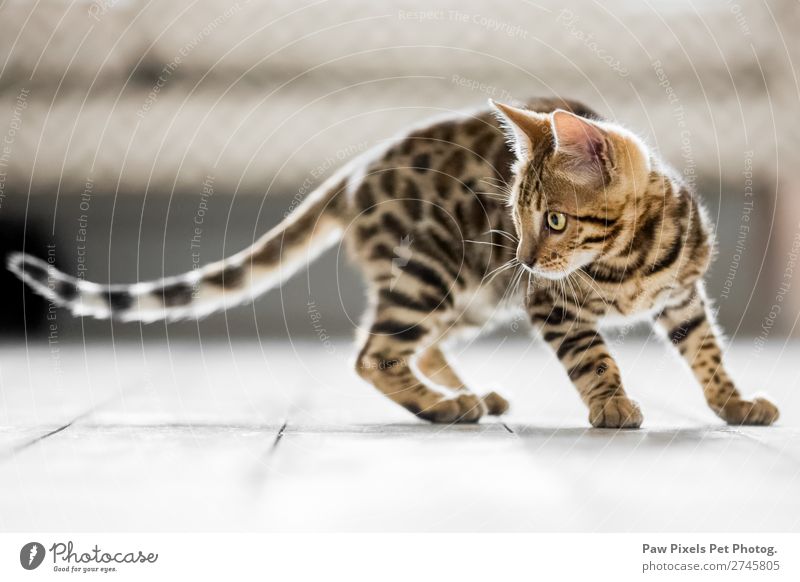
x,y
551,275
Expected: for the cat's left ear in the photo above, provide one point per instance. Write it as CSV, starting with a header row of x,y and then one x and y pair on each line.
x,y
524,127
585,146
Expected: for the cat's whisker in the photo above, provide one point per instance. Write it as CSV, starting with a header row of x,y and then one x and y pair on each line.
x,y
575,292
496,197
588,279
488,278
513,284
508,235
497,182
493,244
498,273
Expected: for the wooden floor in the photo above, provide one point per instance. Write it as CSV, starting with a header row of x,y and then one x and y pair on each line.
x,y
274,436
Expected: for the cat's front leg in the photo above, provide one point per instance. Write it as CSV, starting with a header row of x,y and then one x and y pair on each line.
x,y
688,326
585,356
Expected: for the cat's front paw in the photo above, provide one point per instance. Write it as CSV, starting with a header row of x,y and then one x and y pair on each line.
x,y
616,412
495,404
759,411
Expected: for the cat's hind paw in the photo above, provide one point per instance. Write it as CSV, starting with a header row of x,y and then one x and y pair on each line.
x,y
759,411
616,412
471,407
464,408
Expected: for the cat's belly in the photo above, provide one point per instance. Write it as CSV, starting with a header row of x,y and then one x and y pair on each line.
x,y
639,307
479,310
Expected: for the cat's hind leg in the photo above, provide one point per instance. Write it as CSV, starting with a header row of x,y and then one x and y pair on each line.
x,y
434,365
398,335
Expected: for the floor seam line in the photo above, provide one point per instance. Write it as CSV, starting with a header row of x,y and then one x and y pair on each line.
x,y
13,451
279,436
21,447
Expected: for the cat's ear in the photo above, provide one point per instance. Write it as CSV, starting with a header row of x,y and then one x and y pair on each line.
x,y
523,127
585,145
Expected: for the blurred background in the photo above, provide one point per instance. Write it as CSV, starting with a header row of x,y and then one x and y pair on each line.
x,y
143,138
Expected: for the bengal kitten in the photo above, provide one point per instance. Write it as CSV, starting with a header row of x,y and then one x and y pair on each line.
x,y
578,221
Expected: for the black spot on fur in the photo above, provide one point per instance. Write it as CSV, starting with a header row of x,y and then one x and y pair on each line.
x,y
426,246
393,225
399,331
681,332
453,249
421,163
450,172
230,277
411,200
36,272
175,294
270,253
366,232
365,199
426,275
425,302
587,368
67,290
571,341
556,316
119,299
381,252
446,221
388,181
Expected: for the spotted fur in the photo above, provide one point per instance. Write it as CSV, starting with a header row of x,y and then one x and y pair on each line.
x,y
449,225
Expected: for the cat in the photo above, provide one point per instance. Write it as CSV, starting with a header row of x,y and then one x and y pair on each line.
x,y
544,205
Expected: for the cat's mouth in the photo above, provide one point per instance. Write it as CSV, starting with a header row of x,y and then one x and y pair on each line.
x,y
539,271
552,274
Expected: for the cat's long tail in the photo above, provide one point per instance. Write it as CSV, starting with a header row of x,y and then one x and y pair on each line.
x,y
313,227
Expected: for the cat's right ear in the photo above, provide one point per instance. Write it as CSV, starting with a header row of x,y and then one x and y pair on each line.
x,y
523,127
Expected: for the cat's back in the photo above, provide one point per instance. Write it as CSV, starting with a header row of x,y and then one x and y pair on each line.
x,y
460,152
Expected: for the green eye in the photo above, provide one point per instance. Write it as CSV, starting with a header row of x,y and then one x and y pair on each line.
x,y
556,220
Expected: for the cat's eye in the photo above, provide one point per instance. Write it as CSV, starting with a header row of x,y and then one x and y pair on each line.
x,y
556,220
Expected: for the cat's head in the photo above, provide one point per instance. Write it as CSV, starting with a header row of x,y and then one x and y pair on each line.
x,y
574,180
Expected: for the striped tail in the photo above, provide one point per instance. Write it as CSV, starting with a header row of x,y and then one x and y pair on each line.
x,y
275,257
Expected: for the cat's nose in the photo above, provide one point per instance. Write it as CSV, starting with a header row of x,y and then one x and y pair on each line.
x,y
528,260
